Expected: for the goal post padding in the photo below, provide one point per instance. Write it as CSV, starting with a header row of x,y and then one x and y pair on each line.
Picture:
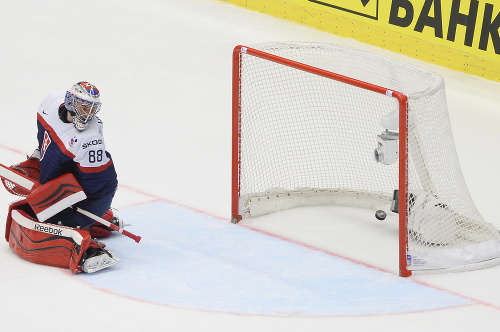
x,y
306,117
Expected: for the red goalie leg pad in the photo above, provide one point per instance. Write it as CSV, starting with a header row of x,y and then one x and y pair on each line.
x,y
98,230
56,195
45,244
108,216
16,206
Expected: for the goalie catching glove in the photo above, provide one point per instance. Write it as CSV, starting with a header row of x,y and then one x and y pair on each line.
x,y
29,168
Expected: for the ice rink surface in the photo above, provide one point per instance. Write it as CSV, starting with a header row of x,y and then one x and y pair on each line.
x,y
164,71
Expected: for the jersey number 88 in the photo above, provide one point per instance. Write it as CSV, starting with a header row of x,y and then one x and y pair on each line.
x,y
95,156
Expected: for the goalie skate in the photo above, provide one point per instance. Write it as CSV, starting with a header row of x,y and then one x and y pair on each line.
x,y
99,230
100,260
117,220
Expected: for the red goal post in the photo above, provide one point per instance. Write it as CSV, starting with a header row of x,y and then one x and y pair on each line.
x,y
444,226
402,100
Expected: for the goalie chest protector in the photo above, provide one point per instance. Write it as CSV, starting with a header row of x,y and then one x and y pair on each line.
x,y
42,243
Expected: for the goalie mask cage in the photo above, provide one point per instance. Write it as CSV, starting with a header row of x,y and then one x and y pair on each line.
x,y
307,118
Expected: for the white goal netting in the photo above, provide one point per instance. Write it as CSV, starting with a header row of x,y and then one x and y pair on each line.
x,y
305,139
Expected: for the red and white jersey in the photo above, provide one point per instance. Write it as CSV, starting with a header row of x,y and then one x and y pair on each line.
x,y
64,149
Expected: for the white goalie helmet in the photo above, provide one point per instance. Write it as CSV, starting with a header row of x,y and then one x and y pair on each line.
x,y
82,101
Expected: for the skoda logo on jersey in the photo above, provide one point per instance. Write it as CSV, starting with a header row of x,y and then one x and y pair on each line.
x,y
91,89
93,142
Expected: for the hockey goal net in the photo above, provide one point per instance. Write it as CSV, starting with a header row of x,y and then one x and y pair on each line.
x,y
326,124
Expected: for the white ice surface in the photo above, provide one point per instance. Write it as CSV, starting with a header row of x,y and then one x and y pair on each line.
x,y
164,70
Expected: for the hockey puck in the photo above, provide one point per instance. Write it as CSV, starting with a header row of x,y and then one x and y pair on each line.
x,y
380,214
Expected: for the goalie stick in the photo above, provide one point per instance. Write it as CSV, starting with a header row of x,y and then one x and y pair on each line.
x,y
114,227
27,183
